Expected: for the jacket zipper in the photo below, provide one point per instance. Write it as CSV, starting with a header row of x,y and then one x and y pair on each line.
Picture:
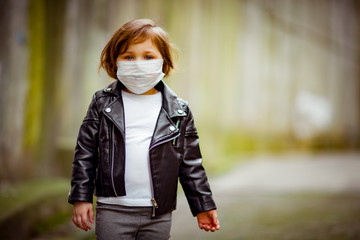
x,y
177,126
153,201
112,159
164,141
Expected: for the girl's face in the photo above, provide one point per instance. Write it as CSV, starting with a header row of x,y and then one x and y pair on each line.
x,y
142,51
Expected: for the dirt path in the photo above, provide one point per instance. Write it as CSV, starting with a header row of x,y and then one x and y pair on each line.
x,y
283,197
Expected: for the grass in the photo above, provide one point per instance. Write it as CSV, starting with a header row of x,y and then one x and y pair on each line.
x,y
33,208
15,198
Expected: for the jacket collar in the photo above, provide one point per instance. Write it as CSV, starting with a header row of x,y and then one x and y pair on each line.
x,y
171,103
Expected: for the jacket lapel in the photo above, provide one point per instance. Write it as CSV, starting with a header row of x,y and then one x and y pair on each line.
x,y
115,109
171,111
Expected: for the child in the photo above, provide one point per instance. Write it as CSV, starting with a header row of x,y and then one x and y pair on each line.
x,y
137,139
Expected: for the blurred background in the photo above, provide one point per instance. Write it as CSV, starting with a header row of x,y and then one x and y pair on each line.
x,y
277,78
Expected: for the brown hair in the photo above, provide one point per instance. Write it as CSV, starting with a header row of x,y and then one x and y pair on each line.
x,y
136,31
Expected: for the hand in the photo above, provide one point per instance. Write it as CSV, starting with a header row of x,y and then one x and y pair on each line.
x,y
208,221
81,212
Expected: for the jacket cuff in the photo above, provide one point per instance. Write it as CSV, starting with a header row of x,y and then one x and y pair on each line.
x,y
80,198
200,207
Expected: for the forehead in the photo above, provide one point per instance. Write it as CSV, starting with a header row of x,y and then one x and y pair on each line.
x,y
148,45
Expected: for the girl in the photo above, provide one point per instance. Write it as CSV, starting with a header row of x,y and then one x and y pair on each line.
x,y
137,139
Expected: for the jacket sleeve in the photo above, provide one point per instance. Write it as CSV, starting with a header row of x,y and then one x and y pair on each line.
x,y
85,157
192,173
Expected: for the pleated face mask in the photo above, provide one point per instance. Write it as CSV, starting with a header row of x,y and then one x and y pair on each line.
x,y
140,76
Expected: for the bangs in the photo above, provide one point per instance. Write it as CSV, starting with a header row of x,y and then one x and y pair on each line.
x,y
141,35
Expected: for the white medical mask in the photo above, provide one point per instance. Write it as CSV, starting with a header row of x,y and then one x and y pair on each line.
x,y
140,76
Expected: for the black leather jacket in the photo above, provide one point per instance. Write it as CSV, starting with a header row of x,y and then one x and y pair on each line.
x,y
99,160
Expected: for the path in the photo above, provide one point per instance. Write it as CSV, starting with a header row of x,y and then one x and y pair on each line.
x,y
261,183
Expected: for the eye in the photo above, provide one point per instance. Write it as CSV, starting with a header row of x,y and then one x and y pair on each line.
x,y
148,57
129,58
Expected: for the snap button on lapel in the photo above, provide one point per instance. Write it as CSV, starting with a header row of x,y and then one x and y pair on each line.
x,y
108,89
180,111
108,110
172,128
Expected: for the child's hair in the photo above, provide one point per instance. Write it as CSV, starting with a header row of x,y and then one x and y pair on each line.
x,y
136,31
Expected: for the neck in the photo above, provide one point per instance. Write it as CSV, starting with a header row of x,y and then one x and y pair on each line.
x,y
150,92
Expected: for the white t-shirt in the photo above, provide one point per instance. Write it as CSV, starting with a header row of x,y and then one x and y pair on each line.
x,y
141,113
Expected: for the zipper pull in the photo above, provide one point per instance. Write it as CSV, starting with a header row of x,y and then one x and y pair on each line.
x,y
155,205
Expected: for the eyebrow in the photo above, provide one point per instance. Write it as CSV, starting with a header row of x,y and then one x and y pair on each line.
x,y
146,51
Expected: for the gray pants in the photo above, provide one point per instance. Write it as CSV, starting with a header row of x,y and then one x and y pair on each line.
x,y
114,222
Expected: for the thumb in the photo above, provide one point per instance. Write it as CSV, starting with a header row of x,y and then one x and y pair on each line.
x,y
214,218
91,215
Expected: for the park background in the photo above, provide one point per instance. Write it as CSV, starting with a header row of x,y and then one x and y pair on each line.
x,y
262,78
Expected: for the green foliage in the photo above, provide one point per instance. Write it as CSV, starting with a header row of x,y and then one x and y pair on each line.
x,y
36,78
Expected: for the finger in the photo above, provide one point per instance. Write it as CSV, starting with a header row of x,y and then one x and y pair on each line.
x,y
201,225
85,223
204,226
217,227
207,227
73,219
79,223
